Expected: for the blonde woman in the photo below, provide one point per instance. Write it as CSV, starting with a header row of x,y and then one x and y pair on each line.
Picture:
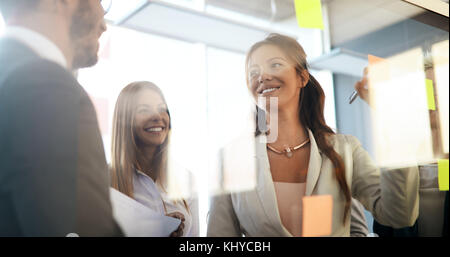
x,y
141,129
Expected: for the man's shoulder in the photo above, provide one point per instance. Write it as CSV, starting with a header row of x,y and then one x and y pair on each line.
x,y
37,75
13,54
21,65
10,46
38,69
35,69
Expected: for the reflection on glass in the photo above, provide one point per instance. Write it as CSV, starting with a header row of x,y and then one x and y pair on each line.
x,y
440,55
238,163
401,119
230,109
180,184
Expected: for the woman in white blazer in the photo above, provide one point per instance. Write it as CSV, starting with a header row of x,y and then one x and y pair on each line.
x,y
306,158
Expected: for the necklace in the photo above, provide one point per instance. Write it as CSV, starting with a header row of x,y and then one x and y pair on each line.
x,y
288,150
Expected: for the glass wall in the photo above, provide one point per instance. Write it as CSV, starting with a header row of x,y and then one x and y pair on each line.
x,y
402,122
406,121
205,88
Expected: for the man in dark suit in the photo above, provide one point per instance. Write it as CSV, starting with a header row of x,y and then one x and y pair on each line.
x,y
53,172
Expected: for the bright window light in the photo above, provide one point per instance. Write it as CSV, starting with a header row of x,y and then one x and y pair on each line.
x,y
2,24
178,68
121,9
325,79
198,5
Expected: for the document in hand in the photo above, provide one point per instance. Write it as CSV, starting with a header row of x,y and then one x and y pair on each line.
x,y
136,220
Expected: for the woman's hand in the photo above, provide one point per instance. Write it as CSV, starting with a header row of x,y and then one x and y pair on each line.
x,y
362,87
179,231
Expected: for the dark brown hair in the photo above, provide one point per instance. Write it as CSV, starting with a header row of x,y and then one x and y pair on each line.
x,y
311,107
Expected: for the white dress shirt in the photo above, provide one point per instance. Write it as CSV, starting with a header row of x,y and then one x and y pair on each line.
x,y
148,193
38,43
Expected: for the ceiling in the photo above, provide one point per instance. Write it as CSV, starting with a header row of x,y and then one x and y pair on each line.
x,y
348,19
281,9
193,26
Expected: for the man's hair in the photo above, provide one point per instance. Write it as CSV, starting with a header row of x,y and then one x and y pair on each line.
x,y
8,8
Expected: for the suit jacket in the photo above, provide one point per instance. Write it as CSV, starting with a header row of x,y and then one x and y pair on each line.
x,y
358,223
392,197
53,171
431,220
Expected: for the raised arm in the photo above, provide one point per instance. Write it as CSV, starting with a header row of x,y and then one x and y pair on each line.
x,y
392,196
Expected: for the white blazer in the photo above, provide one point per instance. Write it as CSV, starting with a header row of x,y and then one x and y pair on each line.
x,y
391,196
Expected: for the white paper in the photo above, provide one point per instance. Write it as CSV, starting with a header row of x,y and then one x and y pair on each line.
x,y
400,115
136,220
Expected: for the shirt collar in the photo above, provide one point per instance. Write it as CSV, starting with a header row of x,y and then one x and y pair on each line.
x,y
140,173
37,42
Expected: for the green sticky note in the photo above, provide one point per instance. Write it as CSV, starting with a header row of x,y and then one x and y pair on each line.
x,y
309,13
430,94
443,175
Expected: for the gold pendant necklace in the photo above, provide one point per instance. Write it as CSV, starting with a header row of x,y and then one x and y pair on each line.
x,y
288,150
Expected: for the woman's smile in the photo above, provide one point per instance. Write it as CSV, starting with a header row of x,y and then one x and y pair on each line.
x,y
151,118
267,90
154,129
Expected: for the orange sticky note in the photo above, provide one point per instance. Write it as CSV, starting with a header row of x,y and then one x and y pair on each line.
x,y
374,59
317,215
309,13
443,175
378,66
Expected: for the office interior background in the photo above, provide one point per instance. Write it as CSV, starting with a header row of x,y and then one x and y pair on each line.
x,y
194,50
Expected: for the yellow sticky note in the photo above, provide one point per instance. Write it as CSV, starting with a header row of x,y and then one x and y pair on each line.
x,y
317,215
443,175
430,94
309,13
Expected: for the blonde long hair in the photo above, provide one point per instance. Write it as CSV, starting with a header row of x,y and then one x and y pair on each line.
x,y
124,148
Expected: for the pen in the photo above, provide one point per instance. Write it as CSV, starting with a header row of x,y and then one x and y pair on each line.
x,y
352,97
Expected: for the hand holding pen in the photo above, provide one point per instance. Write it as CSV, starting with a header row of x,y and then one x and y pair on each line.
x,y
361,89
